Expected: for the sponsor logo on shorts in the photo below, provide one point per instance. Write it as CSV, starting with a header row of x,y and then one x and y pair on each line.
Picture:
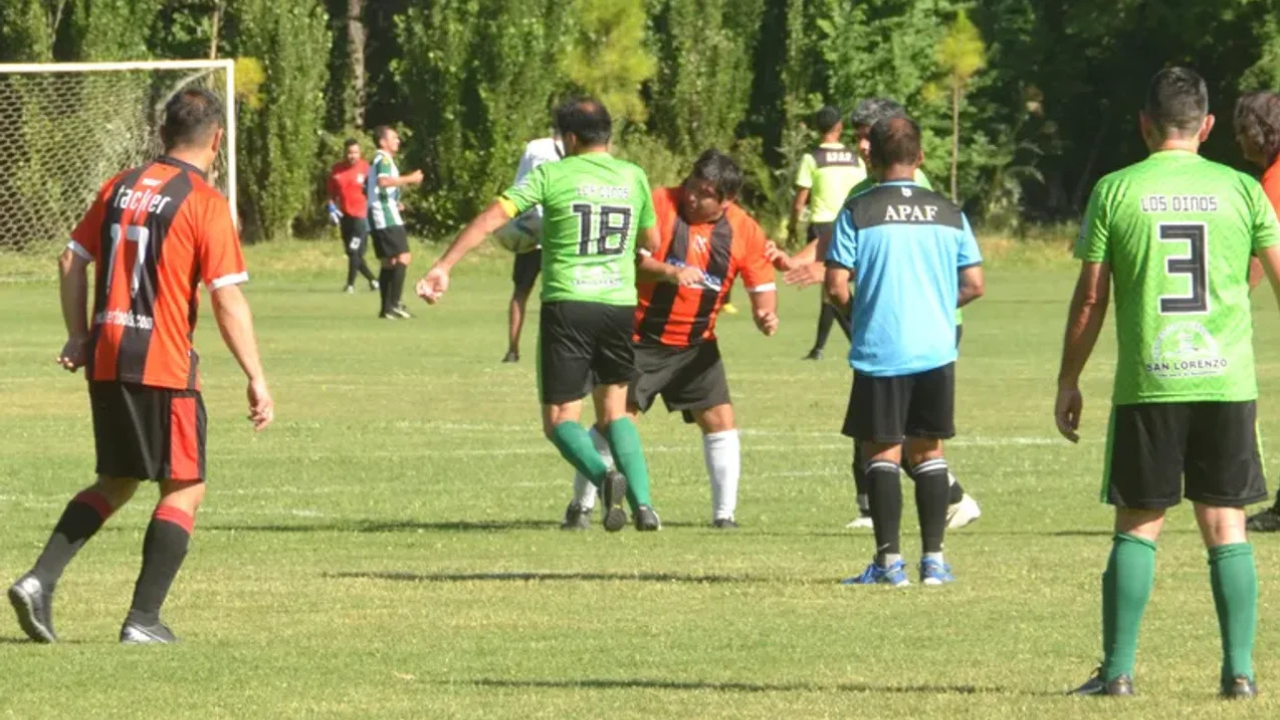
x,y
1185,350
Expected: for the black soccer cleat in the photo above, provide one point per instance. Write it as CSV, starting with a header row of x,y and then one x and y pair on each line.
x,y
1096,686
577,517
724,524
134,632
388,316
613,491
1239,688
402,311
33,605
1267,521
647,520
511,357
814,354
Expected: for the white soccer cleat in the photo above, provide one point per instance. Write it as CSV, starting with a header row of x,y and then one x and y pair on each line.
x,y
963,512
862,522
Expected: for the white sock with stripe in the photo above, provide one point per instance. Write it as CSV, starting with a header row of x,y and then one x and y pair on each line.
x,y
723,453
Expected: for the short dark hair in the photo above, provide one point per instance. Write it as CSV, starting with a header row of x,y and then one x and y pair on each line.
x,y
1258,118
721,171
380,133
586,119
873,110
349,142
1177,100
826,119
191,117
895,141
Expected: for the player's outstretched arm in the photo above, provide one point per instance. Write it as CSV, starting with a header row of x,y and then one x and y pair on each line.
x,y
972,285
434,284
73,287
235,322
1084,324
651,269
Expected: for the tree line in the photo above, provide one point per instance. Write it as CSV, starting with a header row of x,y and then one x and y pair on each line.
x,y
1024,103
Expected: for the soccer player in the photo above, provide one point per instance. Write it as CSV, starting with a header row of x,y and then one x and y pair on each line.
x,y
915,260
1173,234
803,269
390,239
346,192
595,207
526,229
677,354
155,232
1257,127
826,175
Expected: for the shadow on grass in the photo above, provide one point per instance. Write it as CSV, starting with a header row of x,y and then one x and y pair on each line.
x,y
545,577
735,687
381,526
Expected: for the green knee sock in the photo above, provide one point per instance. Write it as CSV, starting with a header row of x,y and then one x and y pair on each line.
x,y
1126,587
1234,577
573,442
624,440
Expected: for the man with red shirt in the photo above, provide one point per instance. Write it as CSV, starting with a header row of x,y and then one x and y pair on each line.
x,y
346,192
676,352
154,232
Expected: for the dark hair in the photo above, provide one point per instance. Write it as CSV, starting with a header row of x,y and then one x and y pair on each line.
x,y
873,110
349,142
586,119
895,141
721,171
1177,100
191,117
826,119
380,133
1258,118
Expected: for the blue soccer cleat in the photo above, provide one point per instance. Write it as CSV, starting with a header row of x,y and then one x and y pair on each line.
x,y
895,575
935,572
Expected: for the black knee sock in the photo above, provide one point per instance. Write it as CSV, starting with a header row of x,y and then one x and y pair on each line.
x,y
846,324
859,476
363,268
395,299
884,490
931,502
956,493
163,550
84,516
384,286
825,319
353,266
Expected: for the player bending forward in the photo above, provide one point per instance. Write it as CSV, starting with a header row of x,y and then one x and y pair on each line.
x,y
677,355
594,208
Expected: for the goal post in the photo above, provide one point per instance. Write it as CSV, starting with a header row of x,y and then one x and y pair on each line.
x,y
65,128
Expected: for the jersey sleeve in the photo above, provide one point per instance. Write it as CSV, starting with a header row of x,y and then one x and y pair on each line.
x,y
646,218
1266,228
969,255
525,194
843,252
804,175
922,180
86,239
757,271
1094,242
218,246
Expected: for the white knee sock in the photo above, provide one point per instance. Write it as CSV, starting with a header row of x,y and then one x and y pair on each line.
x,y
584,493
724,464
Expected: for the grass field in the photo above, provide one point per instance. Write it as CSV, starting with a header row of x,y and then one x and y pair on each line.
x,y
389,548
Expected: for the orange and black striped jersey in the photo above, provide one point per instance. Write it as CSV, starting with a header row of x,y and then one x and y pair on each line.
x,y
733,245
155,233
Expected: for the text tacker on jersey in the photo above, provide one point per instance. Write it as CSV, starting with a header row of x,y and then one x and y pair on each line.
x,y
680,316
143,232
594,205
903,313
1181,229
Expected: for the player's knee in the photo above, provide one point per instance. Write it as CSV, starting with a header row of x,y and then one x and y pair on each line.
x,y
117,491
185,495
404,258
1142,522
1221,525
921,450
716,419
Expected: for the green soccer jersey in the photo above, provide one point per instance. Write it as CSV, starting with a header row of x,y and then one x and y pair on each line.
x,y
829,172
384,202
1178,232
594,207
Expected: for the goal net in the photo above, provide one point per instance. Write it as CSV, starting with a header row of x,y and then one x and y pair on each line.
x,y
67,128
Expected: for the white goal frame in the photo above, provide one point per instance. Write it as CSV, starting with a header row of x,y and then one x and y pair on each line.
x,y
229,102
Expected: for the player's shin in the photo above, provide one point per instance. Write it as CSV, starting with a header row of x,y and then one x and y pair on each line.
x,y
584,493
1234,577
723,454
163,550
575,445
1126,587
624,439
80,521
932,498
884,490
860,479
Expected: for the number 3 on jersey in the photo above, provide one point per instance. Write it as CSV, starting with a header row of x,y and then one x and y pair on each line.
x,y
603,229
1195,265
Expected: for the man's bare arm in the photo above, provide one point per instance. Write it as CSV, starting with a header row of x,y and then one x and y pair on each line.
x,y
764,310
972,285
797,208
836,287
1256,273
235,322
73,289
413,178
651,269
484,225
1084,324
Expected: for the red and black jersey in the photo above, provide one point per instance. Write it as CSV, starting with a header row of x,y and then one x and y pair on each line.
x,y
155,232
679,316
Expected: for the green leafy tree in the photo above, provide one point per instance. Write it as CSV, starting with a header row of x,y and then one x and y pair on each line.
x,y
961,54
607,57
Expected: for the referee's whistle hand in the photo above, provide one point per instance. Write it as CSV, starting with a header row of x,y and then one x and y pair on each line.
x,y
1067,411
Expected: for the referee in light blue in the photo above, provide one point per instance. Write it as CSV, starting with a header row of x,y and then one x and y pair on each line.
x,y
913,259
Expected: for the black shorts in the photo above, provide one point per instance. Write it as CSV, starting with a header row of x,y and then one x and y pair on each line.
x,y
525,271
891,409
390,242
959,334
1214,445
355,234
148,433
688,379
581,344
